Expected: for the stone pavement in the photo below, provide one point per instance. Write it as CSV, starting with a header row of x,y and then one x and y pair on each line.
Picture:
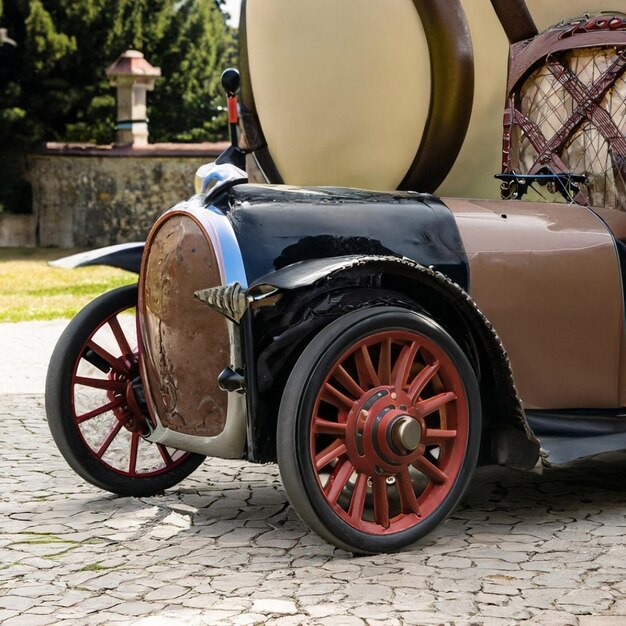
x,y
25,349
224,547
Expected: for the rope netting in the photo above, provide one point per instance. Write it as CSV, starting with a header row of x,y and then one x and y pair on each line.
x,y
570,118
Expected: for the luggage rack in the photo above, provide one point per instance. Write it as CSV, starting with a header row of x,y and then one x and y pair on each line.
x,y
515,186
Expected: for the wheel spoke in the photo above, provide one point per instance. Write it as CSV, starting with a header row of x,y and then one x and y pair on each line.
x,y
430,470
351,386
115,363
338,480
365,369
97,361
324,427
101,383
120,337
100,410
329,454
434,436
132,463
110,437
335,397
357,503
426,407
384,362
381,501
165,455
403,365
407,492
422,379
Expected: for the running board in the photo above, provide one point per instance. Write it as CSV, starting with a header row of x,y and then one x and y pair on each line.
x,y
567,435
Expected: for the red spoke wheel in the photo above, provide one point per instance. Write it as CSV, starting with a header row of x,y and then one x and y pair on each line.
x,y
379,429
95,406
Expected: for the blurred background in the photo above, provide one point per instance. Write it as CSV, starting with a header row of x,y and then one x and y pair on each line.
x,y
53,85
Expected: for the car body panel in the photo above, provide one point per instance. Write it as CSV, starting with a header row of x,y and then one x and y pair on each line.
x,y
537,272
280,225
126,256
547,277
184,344
616,223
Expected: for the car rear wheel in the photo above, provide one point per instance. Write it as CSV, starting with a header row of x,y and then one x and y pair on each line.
x,y
379,429
94,403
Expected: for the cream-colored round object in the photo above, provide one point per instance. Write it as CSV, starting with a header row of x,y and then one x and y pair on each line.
x,y
343,88
481,156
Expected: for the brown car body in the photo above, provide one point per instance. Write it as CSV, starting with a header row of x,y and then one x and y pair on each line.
x,y
547,277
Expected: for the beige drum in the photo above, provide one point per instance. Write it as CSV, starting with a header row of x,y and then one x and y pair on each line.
x,y
373,94
343,92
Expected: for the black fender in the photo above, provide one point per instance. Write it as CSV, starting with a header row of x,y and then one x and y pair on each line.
x,y
126,256
508,440
277,227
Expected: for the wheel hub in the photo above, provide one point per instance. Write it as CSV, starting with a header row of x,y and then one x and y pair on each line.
x,y
405,434
132,412
383,432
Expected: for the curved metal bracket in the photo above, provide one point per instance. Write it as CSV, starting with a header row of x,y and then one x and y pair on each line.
x,y
516,20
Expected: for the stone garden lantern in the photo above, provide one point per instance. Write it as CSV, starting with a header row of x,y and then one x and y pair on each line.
x,y
133,76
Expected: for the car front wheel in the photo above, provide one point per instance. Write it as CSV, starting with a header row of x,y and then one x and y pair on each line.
x,y
379,429
95,406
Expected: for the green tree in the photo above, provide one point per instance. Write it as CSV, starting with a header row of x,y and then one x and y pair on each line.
x,y
53,85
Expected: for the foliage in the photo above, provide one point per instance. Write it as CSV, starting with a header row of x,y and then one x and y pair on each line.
x,y
53,85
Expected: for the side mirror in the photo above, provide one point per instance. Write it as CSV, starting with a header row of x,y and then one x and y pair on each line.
x,y
234,154
231,82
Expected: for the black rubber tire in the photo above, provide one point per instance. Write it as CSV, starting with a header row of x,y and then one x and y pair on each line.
x,y
293,445
59,404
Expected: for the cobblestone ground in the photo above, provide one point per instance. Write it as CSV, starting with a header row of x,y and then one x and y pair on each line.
x,y
225,548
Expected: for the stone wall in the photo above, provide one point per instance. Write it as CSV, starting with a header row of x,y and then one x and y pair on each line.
x,y
17,230
88,196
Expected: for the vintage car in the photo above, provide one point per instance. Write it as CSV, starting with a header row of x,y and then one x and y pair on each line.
x,y
377,344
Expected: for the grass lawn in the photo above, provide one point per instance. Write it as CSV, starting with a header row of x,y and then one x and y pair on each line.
x,y
32,290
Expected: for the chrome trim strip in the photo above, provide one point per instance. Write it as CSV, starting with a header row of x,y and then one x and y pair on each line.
x,y
222,236
230,443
